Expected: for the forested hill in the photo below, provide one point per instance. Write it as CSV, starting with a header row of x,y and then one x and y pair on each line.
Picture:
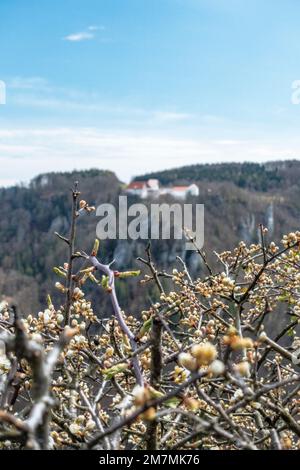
x,y
254,176
237,198
29,217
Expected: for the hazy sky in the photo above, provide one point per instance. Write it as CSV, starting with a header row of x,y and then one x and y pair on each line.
x,y
140,85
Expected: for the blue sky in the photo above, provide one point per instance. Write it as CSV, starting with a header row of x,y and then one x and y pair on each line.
x,y
140,85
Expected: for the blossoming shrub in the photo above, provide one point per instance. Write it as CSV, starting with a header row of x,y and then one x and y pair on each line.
x,y
197,370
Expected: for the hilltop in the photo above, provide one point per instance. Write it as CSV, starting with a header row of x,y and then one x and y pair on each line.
x,y
253,176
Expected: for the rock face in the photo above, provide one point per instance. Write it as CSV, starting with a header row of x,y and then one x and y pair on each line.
x,y
59,224
235,201
247,228
270,218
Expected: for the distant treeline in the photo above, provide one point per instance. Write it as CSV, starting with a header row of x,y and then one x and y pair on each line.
x,y
255,176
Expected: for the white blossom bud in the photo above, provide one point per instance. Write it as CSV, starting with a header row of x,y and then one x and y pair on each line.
x,y
217,368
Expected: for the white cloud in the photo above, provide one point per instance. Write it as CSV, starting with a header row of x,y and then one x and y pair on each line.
x,y
53,103
37,92
81,36
7,182
127,153
165,116
96,28
87,34
28,83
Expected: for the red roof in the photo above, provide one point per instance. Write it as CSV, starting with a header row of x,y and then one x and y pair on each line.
x,y
179,188
136,185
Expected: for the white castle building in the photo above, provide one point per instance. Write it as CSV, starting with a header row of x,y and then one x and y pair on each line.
x,y
151,189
